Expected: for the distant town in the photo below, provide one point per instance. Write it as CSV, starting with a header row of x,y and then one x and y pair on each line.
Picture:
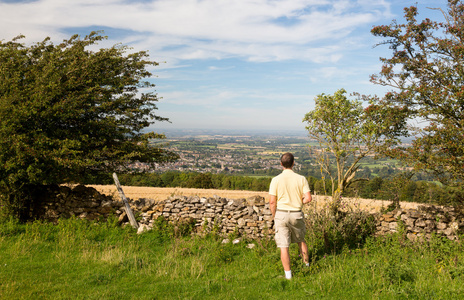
x,y
246,153
232,154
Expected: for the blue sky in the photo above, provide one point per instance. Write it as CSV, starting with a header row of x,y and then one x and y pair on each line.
x,y
230,64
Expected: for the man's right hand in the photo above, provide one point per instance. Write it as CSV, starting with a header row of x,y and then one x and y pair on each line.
x,y
307,198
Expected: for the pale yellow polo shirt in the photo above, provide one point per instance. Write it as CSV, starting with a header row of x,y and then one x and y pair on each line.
x,y
289,188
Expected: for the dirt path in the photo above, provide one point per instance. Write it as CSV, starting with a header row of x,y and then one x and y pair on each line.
x,y
157,193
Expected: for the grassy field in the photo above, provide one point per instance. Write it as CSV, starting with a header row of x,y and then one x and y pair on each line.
x,y
77,259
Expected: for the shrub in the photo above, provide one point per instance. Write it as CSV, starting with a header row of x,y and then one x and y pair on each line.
x,y
166,230
329,231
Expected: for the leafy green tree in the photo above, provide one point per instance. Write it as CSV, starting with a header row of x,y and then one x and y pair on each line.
x,y
68,112
321,186
260,184
201,181
365,189
226,183
426,74
311,181
407,191
426,192
364,172
141,179
373,187
386,172
346,133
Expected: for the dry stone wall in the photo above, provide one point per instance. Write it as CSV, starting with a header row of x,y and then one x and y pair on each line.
x,y
249,217
423,222
80,201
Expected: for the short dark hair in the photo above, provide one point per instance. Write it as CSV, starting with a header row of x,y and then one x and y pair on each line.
x,y
287,160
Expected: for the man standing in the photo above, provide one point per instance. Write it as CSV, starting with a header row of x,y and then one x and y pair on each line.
x,y
288,192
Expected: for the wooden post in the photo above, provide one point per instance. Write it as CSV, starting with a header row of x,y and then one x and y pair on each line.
x,y
124,199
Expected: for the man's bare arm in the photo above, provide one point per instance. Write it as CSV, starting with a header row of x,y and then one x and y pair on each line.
x,y
273,204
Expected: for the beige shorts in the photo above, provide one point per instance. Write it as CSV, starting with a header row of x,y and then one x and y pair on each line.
x,y
289,228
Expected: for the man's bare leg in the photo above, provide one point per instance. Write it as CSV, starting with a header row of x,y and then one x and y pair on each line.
x,y
304,252
285,258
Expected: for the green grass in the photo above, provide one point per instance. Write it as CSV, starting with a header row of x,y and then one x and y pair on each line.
x,y
77,259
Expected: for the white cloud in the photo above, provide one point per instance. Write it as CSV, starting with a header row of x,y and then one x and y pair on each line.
x,y
215,68
259,30
208,46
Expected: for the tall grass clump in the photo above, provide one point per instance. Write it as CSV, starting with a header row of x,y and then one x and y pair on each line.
x,y
329,230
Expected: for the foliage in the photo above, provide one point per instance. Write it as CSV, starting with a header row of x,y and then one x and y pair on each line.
x,y
426,74
347,133
197,180
331,231
166,230
402,188
68,112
